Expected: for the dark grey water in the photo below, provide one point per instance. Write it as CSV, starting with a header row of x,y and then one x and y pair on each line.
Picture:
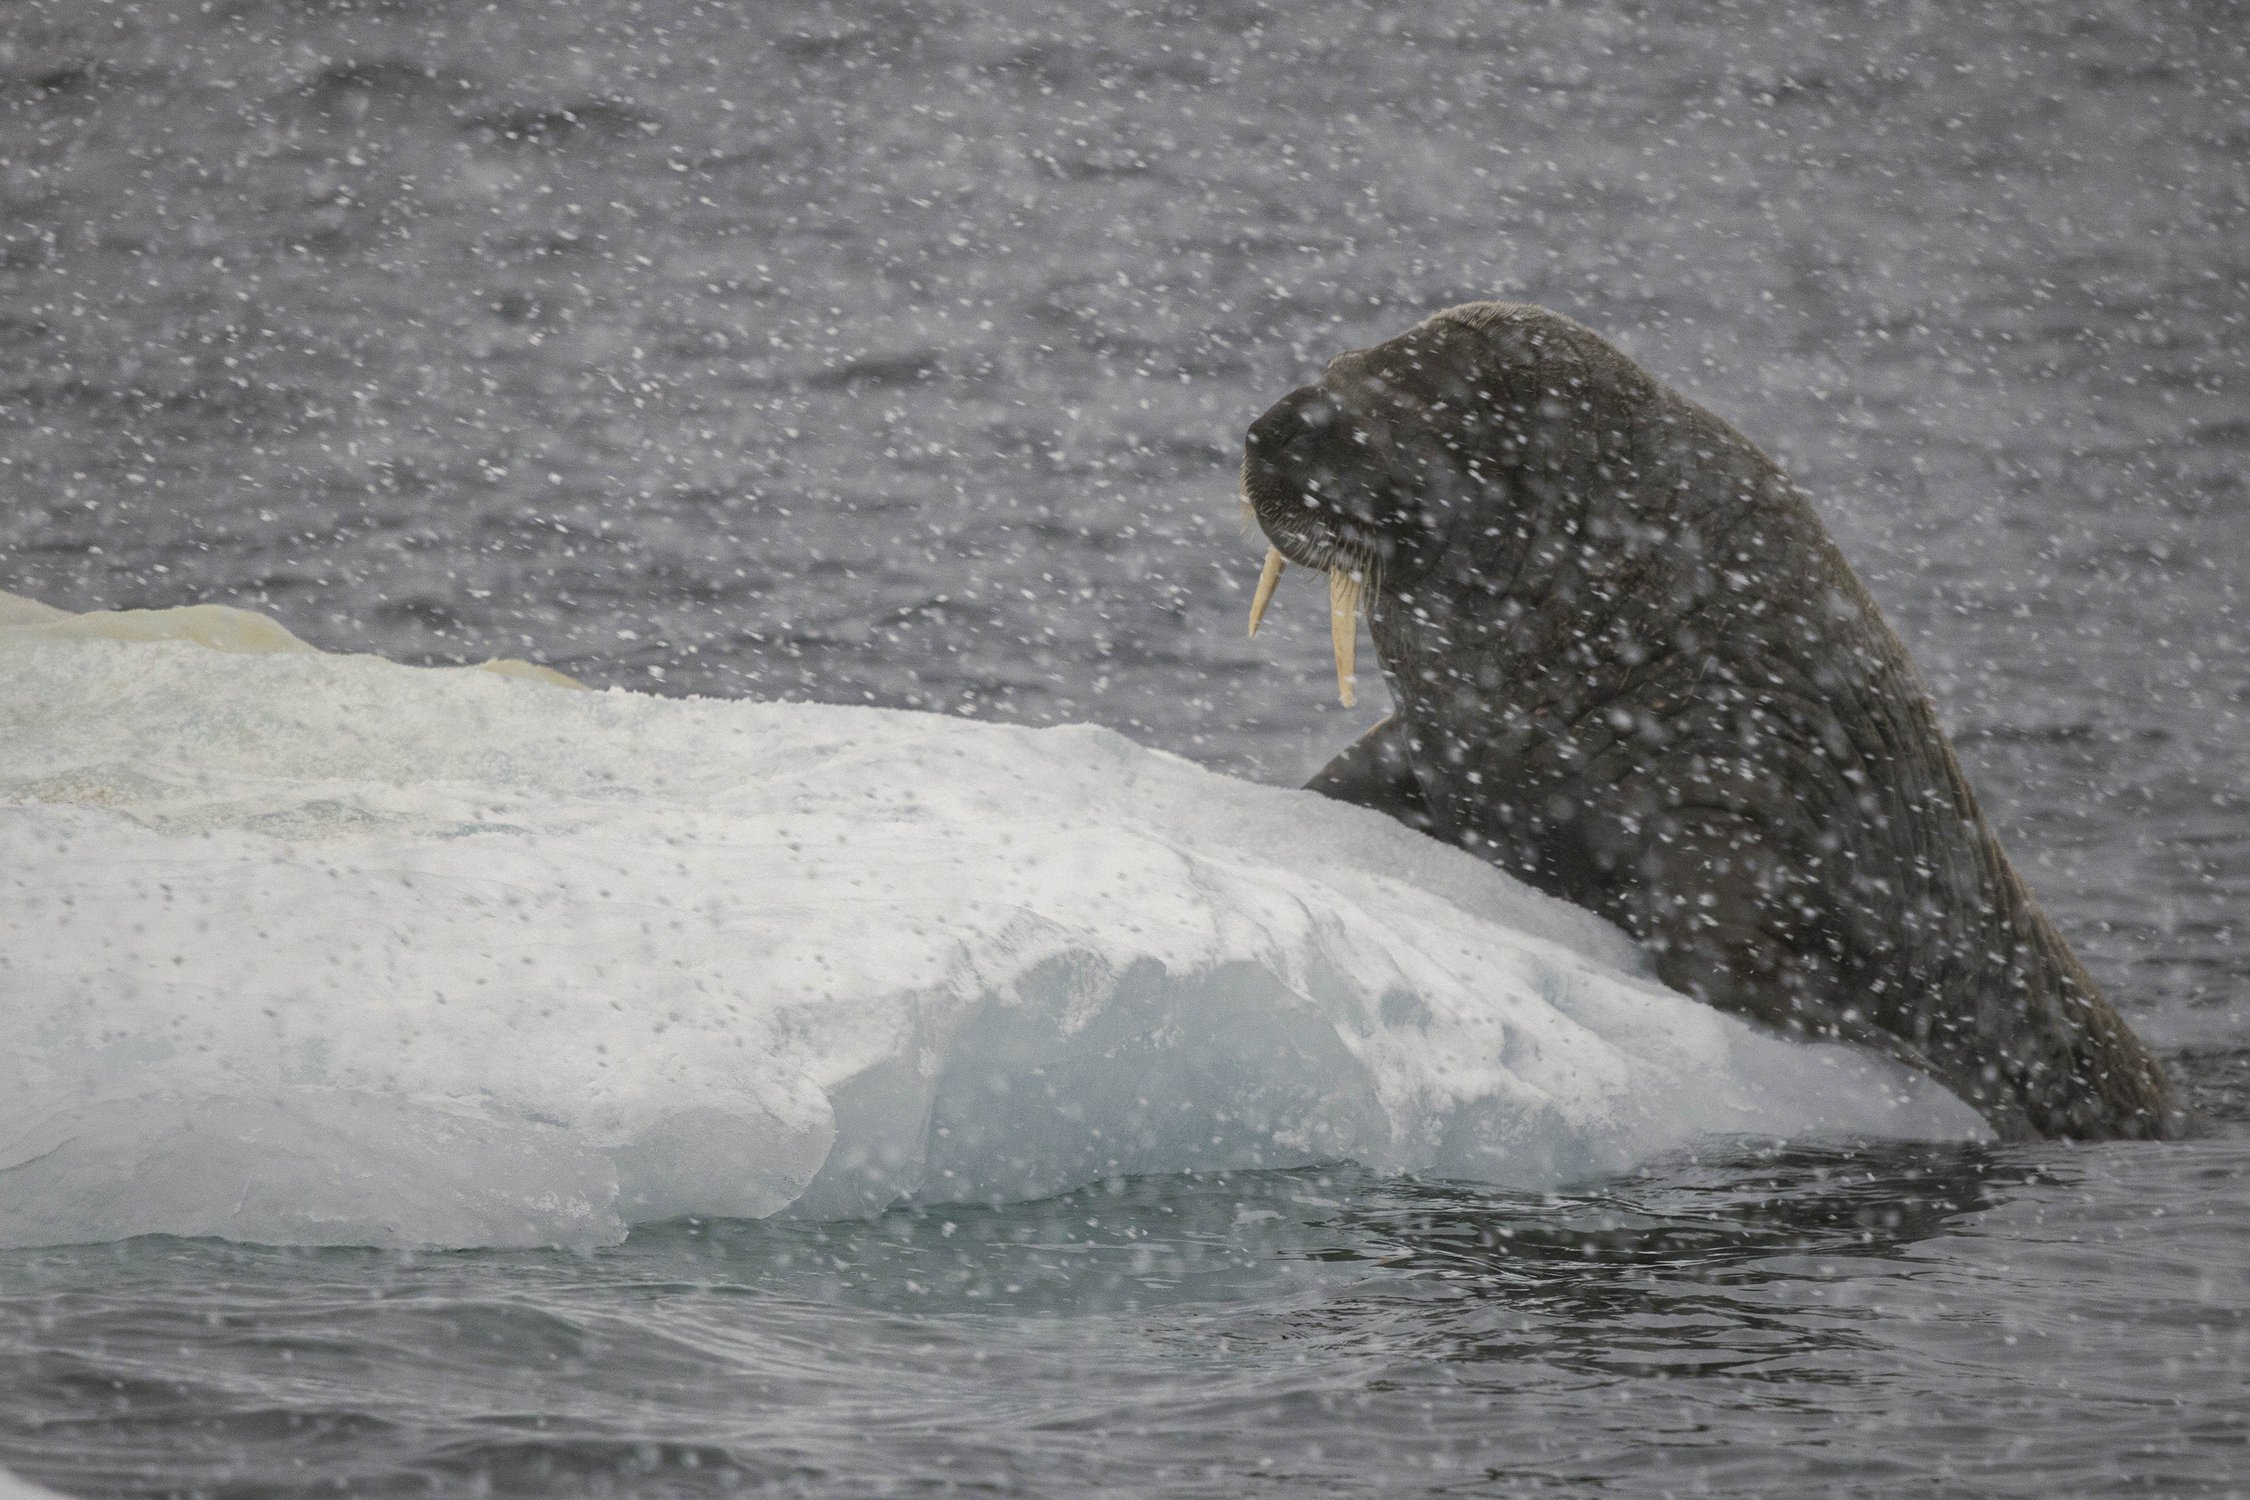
x,y
1946,1322
899,354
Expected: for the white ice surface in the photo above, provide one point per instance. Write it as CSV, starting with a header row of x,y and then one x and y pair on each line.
x,y
323,949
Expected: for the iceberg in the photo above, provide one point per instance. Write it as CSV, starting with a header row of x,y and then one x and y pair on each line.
x,y
299,947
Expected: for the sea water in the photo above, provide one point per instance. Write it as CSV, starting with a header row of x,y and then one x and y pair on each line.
x,y
895,357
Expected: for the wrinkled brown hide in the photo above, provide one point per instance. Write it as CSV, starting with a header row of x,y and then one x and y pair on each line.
x,y
1632,668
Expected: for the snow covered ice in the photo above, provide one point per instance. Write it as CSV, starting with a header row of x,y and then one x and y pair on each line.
x,y
310,948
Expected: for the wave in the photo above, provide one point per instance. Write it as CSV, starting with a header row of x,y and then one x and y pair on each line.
x,y
312,948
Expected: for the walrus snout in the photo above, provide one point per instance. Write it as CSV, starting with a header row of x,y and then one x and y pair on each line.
x,y
1304,474
1289,473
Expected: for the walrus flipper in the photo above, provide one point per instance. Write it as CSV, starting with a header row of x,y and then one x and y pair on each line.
x,y
1377,772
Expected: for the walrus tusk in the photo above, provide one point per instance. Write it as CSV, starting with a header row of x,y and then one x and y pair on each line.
x,y
1266,581
1344,588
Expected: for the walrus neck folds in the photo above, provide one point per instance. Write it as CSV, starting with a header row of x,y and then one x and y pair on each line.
x,y
1632,668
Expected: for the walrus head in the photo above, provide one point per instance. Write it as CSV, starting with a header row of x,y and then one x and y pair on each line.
x,y
1418,470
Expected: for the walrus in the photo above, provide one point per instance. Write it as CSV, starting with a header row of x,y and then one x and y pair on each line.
x,y
1631,668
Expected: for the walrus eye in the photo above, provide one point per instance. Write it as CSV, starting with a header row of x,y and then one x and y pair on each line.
x,y
1313,418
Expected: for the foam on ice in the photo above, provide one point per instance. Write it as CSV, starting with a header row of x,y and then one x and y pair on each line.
x,y
310,948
